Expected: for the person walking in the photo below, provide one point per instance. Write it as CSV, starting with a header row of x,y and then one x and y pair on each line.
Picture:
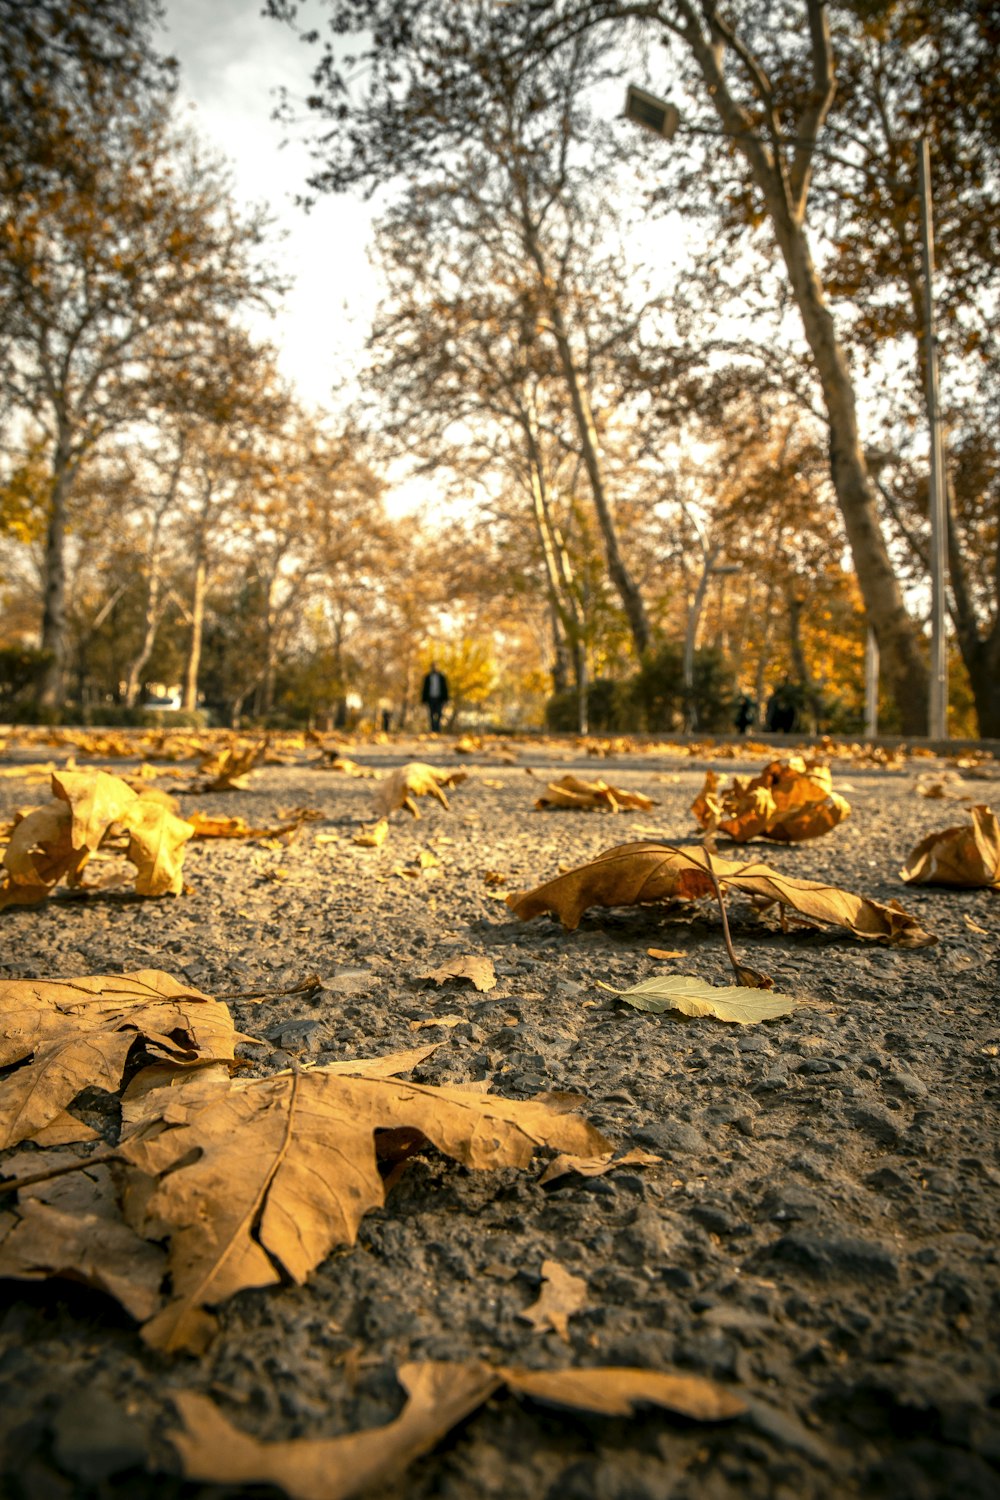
x,y
746,712
435,694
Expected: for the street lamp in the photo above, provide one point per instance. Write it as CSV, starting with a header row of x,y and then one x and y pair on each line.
x,y
663,119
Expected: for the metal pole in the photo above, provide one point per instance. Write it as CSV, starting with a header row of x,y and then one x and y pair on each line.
x,y
871,685
937,714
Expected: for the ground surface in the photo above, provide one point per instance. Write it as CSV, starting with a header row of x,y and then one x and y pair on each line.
x,y
822,1233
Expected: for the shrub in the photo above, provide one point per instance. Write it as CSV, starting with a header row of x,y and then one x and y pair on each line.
x,y
21,670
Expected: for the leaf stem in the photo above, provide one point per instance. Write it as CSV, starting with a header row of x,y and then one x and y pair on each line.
x,y
74,1166
737,969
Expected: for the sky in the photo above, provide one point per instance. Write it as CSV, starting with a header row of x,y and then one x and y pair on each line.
x,y
232,60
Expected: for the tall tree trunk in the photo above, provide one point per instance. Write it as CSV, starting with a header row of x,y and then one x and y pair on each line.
x,y
560,653
691,636
800,665
784,185
52,687
903,661
590,450
199,589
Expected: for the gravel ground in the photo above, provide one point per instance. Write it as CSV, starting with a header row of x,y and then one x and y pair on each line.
x,y
821,1234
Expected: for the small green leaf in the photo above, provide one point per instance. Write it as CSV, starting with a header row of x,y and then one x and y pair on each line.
x,y
696,997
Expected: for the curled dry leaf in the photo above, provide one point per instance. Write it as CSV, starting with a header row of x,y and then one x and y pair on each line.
x,y
967,856
696,997
596,1166
88,809
71,1227
374,836
562,1294
210,826
78,1033
478,970
229,770
641,874
439,1396
789,801
253,1180
413,780
333,761
588,796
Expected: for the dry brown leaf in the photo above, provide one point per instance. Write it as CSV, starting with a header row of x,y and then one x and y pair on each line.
x,y
70,1227
597,1166
416,779
156,839
211,826
478,970
229,769
616,1392
588,796
331,761
967,856
640,874
562,1294
974,926
439,1396
789,801
665,953
467,745
448,1021
267,1177
374,836
88,809
79,1032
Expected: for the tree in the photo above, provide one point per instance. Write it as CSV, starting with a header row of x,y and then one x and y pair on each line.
x,y
115,294
509,241
767,81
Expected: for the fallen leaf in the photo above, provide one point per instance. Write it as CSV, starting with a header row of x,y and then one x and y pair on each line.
x,y
974,926
967,856
479,971
211,826
448,1021
596,1166
346,767
229,769
297,1157
78,1033
374,836
416,779
439,1396
156,839
88,810
562,1294
586,796
69,1227
616,1392
638,874
789,801
696,997
665,953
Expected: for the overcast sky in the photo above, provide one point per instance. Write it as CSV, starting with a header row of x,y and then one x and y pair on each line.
x,y
232,60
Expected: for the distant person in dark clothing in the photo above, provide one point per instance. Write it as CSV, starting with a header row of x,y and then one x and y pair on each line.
x,y
781,709
746,712
435,694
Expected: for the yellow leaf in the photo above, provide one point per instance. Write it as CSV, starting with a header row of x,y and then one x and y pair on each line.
x,y
967,856
562,1294
640,874
790,801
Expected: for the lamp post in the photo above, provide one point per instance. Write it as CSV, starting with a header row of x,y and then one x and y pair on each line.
x,y
663,119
